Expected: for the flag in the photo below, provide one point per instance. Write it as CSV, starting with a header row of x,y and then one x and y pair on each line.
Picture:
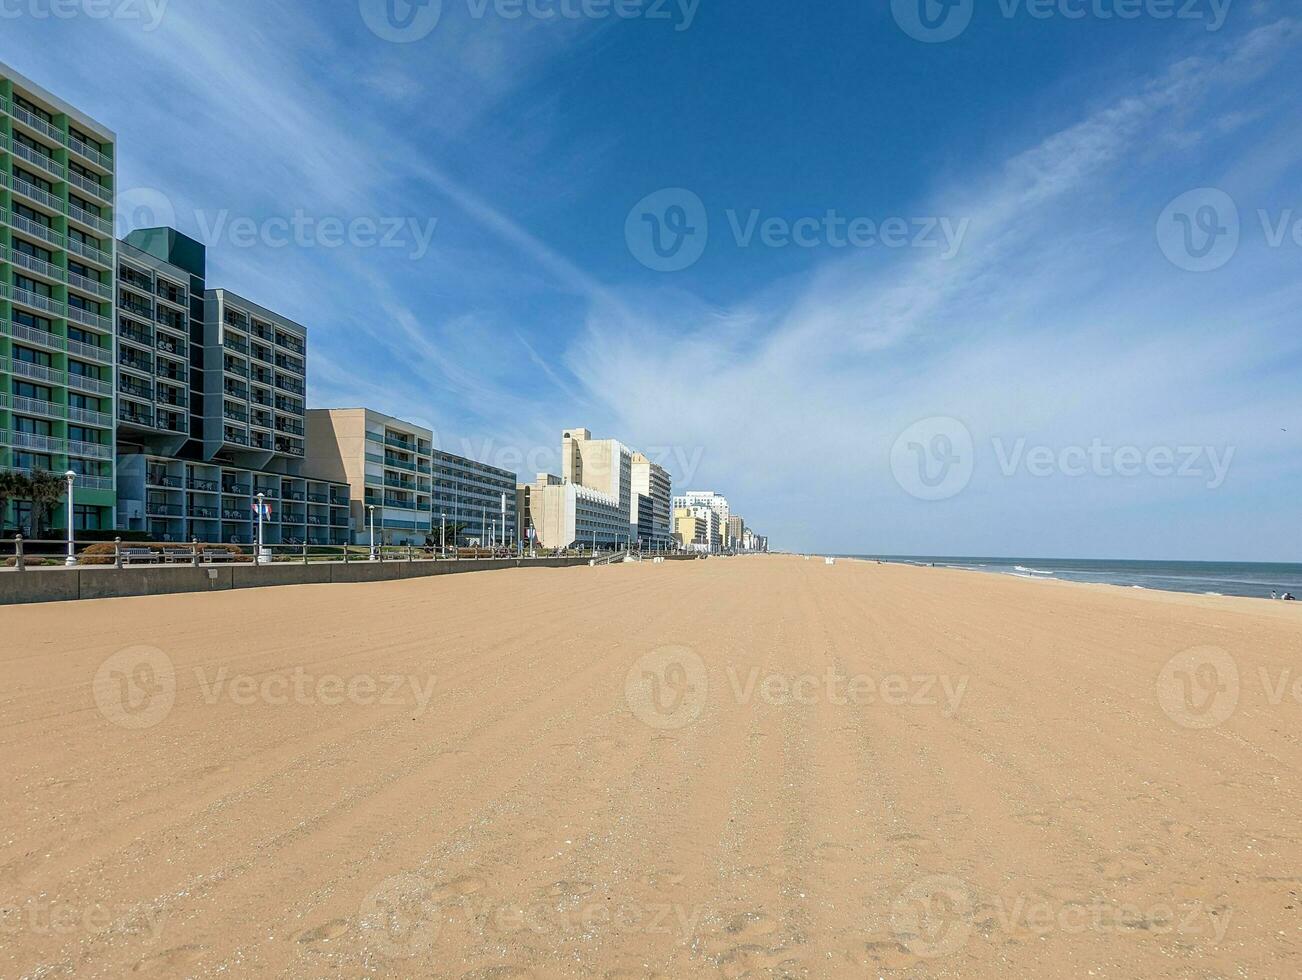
x,y
262,510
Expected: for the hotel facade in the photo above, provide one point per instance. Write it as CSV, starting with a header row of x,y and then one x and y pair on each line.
x,y
57,406
210,408
606,494
415,489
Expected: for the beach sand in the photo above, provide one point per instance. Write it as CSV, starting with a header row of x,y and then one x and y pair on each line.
x,y
758,767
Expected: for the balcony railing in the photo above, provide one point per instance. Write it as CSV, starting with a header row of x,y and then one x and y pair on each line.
x,y
84,382
129,331
89,252
92,286
38,372
35,122
205,513
39,267
33,300
87,416
89,153
89,319
47,163
93,187
159,478
239,489
133,416
91,221
34,228
136,363
203,486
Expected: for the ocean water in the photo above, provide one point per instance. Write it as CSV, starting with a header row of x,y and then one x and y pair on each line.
x,y
1254,579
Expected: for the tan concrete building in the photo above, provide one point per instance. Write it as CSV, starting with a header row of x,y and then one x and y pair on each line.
x,y
386,462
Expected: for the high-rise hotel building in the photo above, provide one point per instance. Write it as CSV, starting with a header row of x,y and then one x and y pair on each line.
x,y
211,408
56,298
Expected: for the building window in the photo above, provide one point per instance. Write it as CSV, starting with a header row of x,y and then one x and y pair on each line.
x,y
86,518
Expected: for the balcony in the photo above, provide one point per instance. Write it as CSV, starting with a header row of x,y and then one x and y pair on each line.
x,y
235,413
34,229
289,426
290,385
88,319
89,450
261,419
271,493
398,443
159,478
88,252
84,382
289,364
288,448
286,405
41,338
238,489
400,464
234,514
205,513
203,486
291,343
238,392
36,123
94,222
135,416
162,510
89,153
135,307
318,498
37,159
88,417
236,344
129,331
135,362
90,352
169,346
92,286
260,440
37,372
173,422
35,194
34,301
235,367
38,267
235,436
37,406
92,187
172,372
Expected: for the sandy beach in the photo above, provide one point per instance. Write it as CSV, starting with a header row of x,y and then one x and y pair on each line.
x,y
757,767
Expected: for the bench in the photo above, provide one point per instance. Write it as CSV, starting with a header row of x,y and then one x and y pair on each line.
x,y
217,554
173,556
139,554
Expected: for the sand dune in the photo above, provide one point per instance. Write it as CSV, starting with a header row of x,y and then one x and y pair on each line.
x,y
758,767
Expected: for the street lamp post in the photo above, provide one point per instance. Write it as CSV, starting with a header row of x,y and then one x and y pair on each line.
x,y
261,509
371,521
72,548
443,534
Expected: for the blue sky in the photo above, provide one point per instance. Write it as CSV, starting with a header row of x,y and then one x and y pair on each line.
x,y
985,390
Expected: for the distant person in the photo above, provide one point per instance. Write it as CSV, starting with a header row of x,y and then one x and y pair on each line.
x,y
1274,594
1289,597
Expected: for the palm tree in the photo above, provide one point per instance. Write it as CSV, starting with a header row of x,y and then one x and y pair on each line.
x,y
12,486
46,490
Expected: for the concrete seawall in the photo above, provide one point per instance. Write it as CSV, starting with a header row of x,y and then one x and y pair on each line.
x,y
103,582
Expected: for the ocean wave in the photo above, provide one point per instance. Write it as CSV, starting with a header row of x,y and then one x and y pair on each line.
x,y
1030,571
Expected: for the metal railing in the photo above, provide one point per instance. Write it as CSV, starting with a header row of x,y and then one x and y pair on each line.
x,y
21,553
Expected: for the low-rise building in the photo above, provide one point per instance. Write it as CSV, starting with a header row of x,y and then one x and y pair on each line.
x,y
387,464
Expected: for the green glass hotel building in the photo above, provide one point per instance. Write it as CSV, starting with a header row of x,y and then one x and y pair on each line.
x,y
57,253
